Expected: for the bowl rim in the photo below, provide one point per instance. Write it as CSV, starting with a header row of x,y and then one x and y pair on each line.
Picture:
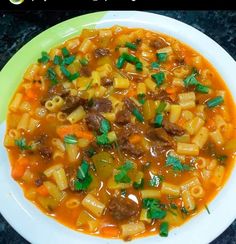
x,y
65,30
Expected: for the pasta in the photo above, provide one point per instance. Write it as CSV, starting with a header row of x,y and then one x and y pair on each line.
x,y
121,133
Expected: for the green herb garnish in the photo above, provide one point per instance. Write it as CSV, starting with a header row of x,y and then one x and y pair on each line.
x,y
176,164
120,62
105,126
102,139
65,52
139,66
191,80
138,185
90,152
138,115
84,61
155,65
156,180
21,143
158,120
52,76
215,102
57,60
69,60
141,98
201,88
154,208
159,78
67,73
131,45
164,229
207,209
161,107
70,139
162,57
122,175
44,58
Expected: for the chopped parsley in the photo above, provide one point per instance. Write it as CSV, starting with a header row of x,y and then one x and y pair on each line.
x,y
65,52
162,57
215,102
138,115
154,208
57,60
44,58
156,180
191,80
84,61
141,98
21,143
69,60
105,126
159,78
102,139
122,175
84,179
67,73
164,229
70,139
176,164
131,45
138,185
52,76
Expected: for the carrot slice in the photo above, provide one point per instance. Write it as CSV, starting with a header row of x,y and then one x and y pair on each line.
x,y
42,190
19,168
110,231
134,139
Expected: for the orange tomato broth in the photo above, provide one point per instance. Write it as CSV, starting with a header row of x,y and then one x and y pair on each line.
x,y
181,56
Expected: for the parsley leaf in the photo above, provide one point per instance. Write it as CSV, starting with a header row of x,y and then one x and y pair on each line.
x,y
21,143
164,229
156,180
122,175
191,80
162,57
138,185
84,179
102,139
45,58
105,126
176,164
154,208
52,76
70,139
83,185
83,170
141,98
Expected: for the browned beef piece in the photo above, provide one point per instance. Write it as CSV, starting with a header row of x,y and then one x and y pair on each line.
x,y
85,71
122,208
38,182
129,104
103,105
123,141
57,90
159,134
93,121
123,117
45,152
101,52
160,95
172,128
106,81
71,173
71,103
158,43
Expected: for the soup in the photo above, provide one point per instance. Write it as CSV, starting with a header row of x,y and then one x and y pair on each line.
x,y
121,133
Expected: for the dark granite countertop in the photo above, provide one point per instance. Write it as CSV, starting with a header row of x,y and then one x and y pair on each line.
x,y
17,28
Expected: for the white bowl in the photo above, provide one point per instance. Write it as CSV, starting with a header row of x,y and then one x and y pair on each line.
x,y
35,226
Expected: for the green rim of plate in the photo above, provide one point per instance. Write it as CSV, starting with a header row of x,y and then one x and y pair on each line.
x,y
12,73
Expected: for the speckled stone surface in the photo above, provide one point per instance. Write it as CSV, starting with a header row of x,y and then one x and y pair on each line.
x,y
17,28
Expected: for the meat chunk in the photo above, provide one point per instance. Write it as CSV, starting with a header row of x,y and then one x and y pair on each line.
x,y
106,81
101,52
71,103
129,104
158,43
172,128
57,90
122,208
38,182
85,71
159,134
93,121
123,117
45,152
103,105
123,141
161,95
